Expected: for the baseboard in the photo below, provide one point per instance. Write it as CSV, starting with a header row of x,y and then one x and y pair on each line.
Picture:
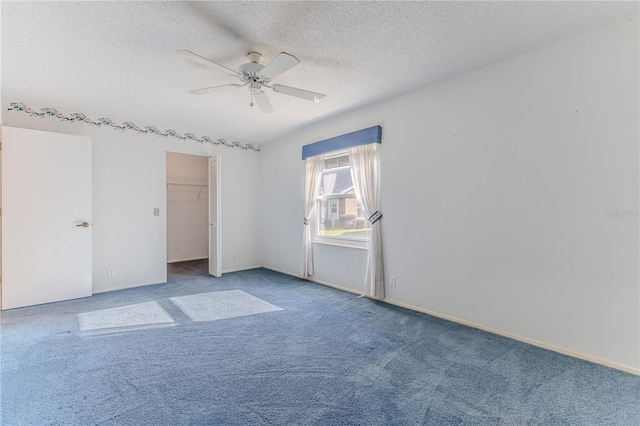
x,y
244,268
280,271
337,287
519,338
124,287
187,260
543,345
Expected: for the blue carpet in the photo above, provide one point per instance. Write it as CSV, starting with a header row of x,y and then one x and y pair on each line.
x,y
326,358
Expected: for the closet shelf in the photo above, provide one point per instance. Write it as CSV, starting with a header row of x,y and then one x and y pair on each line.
x,y
186,184
189,184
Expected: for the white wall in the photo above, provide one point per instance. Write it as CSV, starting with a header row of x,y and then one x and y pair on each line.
x,y
494,187
187,207
494,191
129,181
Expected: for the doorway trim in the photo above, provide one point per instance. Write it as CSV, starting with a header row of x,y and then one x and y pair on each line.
x,y
211,190
215,249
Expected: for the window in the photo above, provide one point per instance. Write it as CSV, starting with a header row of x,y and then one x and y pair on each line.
x,y
338,215
329,191
333,209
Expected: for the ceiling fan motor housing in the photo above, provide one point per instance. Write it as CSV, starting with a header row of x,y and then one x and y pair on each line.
x,y
250,72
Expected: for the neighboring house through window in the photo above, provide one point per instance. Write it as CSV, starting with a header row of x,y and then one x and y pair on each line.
x,y
338,214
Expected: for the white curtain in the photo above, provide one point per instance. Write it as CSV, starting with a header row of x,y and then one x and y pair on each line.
x,y
365,172
314,167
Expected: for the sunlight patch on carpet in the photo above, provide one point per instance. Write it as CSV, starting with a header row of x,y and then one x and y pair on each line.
x,y
221,305
141,314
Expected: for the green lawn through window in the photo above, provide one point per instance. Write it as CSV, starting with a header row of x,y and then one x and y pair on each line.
x,y
348,233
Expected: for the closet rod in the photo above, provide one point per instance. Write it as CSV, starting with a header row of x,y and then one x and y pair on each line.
x,y
186,184
200,185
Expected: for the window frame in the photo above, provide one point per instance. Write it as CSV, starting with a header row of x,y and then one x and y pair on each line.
x,y
317,237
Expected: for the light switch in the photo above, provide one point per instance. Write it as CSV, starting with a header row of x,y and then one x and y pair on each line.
x,y
156,211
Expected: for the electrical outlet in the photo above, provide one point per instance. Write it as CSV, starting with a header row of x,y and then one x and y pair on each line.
x,y
392,283
156,211
111,272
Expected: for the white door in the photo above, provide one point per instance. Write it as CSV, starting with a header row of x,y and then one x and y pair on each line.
x,y
215,263
46,223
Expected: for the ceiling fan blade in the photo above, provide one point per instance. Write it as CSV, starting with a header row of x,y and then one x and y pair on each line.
x,y
263,103
278,65
299,93
204,61
209,90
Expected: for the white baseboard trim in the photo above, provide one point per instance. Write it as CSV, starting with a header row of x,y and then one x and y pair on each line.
x,y
280,271
244,268
124,287
540,344
338,287
324,283
187,260
543,345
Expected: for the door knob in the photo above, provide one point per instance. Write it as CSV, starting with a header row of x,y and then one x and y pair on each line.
x,y
83,224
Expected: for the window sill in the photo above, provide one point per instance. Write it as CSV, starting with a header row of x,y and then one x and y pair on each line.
x,y
345,244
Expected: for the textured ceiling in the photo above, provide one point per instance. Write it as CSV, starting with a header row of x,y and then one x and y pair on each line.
x,y
119,60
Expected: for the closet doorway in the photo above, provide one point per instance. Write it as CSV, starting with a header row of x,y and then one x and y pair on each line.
x,y
193,212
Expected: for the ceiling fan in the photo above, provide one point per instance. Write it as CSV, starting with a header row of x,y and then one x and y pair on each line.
x,y
257,76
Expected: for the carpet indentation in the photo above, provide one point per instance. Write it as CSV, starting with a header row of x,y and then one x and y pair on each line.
x,y
221,305
140,314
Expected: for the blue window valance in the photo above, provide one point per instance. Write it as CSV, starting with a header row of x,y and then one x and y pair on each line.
x,y
357,138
